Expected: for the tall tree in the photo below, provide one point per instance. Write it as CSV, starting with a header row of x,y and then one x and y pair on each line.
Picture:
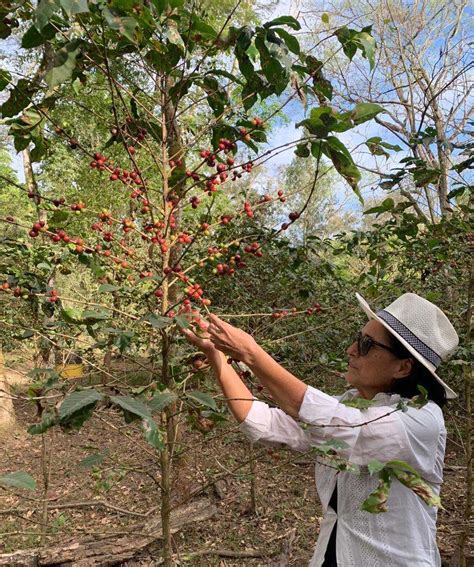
x,y
423,78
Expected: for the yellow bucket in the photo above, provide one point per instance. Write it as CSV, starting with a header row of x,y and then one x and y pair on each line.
x,y
70,370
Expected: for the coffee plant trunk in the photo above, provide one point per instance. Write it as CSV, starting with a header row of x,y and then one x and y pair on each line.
x,y
171,146
7,415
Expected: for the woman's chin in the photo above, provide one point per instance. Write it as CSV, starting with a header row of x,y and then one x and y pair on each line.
x,y
350,378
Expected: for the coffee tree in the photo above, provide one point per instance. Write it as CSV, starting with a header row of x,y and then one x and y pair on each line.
x,y
180,116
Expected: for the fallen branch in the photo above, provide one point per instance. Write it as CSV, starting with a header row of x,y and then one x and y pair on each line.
x,y
84,504
110,549
230,553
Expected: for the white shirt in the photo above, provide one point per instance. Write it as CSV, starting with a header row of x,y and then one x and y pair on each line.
x,y
405,535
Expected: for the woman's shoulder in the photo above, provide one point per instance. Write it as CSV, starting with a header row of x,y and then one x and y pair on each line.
x,y
429,411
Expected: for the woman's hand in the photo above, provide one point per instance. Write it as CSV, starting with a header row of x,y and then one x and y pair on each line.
x,y
232,341
201,341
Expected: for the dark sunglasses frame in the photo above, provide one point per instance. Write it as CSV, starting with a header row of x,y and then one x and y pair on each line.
x,y
365,343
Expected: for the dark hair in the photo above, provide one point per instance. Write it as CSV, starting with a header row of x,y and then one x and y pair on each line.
x,y
420,375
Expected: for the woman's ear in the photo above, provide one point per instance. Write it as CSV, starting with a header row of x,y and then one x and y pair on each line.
x,y
405,368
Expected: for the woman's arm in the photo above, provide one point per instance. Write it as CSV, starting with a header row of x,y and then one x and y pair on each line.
x,y
260,423
239,397
286,390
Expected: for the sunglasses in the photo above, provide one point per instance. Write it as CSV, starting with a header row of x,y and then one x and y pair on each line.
x,y
365,343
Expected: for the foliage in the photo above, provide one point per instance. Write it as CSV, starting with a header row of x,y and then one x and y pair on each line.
x,y
145,122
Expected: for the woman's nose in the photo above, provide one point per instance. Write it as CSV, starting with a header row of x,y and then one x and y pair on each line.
x,y
352,350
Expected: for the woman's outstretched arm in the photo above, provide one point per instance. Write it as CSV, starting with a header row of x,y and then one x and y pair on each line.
x,y
286,390
239,397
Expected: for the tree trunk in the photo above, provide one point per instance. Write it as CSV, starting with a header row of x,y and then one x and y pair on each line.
x,y
7,412
459,556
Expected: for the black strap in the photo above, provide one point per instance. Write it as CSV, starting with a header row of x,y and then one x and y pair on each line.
x,y
330,559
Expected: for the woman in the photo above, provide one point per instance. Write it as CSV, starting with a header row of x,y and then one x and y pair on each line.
x,y
399,347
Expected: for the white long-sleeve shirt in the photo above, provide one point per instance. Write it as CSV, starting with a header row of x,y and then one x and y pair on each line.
x,y
405,535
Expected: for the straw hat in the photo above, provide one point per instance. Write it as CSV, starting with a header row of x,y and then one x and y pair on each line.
x,y
421,327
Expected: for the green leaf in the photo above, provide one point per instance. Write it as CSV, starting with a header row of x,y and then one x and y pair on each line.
x,y
126,25
325,18
206,31
375,466
335,444
18,479
72,7
48,420
316,149
423,176
33,38
93,460
40,149
89,315
5,79
44,11
401,465
132,406
217,96
302,150
343,162
63,65
78,418
394,147
290,40
202,398
359,403
364,111
275,63
58,218
152,434
284,21
331,446
367,45
157,321
324,119
346,39
419,486
376,502
387,205
161,400
105,288
71,314
226,74
182,321
124,340
27,334
78,400
243,42
375,147
20,97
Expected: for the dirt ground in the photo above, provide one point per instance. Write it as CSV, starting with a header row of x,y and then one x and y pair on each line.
x,y
281,531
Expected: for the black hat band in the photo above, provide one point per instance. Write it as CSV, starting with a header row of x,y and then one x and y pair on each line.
x,y
421,348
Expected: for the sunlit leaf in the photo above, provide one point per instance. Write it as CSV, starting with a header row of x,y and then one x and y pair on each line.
x,y
78,400
63,65
202,398
18,479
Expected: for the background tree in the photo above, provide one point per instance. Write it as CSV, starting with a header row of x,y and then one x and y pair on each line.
x,y
422,76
